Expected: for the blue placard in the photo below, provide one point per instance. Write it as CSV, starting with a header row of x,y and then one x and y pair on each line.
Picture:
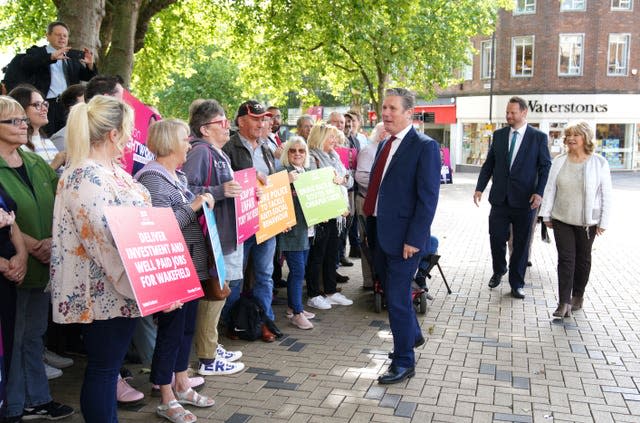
x,y
216,247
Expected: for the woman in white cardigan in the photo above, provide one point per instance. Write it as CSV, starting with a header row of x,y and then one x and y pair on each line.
x,y
577,205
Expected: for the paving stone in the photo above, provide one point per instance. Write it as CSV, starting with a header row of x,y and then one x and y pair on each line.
x,y
390,400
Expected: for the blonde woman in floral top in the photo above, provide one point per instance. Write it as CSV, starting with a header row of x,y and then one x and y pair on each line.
x,y
88,280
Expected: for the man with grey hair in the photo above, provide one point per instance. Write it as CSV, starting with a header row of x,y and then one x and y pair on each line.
x,y
304,125
400,204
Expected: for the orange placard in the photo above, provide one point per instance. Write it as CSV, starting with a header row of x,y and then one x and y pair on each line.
x,y
275,207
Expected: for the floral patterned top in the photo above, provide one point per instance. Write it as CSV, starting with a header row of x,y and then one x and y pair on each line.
x,y
88,278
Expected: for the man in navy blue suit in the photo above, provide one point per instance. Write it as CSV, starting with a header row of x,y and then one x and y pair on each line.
x,y
518,161
400,204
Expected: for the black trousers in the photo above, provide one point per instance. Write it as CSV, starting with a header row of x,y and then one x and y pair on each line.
x,y
56,116
574,258
322,259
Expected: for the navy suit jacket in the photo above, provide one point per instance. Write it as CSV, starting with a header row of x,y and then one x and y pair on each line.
x,y
408,194
528,174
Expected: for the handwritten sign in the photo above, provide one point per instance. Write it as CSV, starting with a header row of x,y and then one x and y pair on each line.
x,y
247,219
216,247
136,153
320,198
275,207
155,256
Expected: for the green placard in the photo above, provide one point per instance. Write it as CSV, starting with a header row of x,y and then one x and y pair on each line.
x,y
321,199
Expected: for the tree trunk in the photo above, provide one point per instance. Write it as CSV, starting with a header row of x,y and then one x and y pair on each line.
x,y
84,19
119,58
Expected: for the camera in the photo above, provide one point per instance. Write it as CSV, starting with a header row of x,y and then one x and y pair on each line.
x,y
75,54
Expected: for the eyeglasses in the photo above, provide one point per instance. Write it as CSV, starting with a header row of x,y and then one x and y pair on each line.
x,y
297,150
223,123
39,104
17,121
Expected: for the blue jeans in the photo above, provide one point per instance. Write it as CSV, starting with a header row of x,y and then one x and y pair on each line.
x,y
106,342
297,261
173,343
27,385
236,289
262,256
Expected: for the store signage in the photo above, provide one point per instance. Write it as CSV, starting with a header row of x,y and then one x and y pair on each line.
x,y
537,107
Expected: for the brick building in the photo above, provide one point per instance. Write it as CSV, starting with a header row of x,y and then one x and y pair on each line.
x,y
571,60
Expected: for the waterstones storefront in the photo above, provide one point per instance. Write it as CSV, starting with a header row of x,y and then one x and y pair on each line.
x,y
615,119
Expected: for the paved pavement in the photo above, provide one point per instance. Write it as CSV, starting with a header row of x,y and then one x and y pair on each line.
x,y
488,357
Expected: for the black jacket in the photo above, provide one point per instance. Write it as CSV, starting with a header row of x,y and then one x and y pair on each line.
x,y
36,63
242,158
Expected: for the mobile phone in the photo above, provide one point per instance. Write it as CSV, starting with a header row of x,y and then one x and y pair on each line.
x,y
75,54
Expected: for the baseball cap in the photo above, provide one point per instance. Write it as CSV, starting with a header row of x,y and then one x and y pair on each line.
x,y
252,108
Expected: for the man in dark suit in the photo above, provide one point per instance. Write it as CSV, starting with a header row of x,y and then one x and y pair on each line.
x,y
518,161
400,204
54,67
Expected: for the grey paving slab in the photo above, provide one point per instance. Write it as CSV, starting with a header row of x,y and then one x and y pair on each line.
x,y
487,358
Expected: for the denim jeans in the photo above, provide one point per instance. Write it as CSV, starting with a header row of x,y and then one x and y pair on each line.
x,y
262,256
106,342
173,343
236,289
297,261
27,385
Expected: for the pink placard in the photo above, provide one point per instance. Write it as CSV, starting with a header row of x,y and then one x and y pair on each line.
x,y
137,154
347,156
155,256
247,215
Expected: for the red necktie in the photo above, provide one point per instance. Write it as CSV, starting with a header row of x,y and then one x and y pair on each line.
x,y
278,140
374,184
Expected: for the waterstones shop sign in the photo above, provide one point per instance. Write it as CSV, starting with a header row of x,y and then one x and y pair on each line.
x,y
538,107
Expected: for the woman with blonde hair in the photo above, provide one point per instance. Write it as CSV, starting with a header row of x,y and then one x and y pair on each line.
x,y
169,141
324,251
88,280
577,205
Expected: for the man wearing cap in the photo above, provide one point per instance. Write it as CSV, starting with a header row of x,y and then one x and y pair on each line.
x,y
246,149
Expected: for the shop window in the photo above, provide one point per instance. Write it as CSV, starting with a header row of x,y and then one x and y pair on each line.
x,y
621,4
556,138
570,54
613,142
522,56
524,7
487,61
573,5
618,62
476,138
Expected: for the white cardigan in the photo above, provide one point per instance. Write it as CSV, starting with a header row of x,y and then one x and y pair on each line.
x,y
596,193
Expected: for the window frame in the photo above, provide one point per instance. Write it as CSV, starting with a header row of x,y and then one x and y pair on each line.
x,y
513,56
517,11
626,55
580,66
491,66
628,8
573,7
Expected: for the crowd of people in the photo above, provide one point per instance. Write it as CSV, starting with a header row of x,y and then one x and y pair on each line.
x,y
61,143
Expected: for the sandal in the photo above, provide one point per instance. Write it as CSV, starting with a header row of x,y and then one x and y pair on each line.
x,y
191,397
174,412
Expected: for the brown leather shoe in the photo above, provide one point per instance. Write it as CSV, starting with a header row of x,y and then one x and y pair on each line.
x,y
267,335
576,303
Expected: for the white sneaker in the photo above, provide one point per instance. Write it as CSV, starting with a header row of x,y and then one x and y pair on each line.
x,y
300,321
339,299
319,302
220,367
55,360
52,372
227,355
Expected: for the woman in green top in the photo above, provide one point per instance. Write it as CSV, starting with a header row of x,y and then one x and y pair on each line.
x,y
31,183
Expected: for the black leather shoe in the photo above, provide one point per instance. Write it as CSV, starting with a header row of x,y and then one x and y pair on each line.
x,y
495,280
346,262
354,252
518,293
529,264
396,374
341,279
273,328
